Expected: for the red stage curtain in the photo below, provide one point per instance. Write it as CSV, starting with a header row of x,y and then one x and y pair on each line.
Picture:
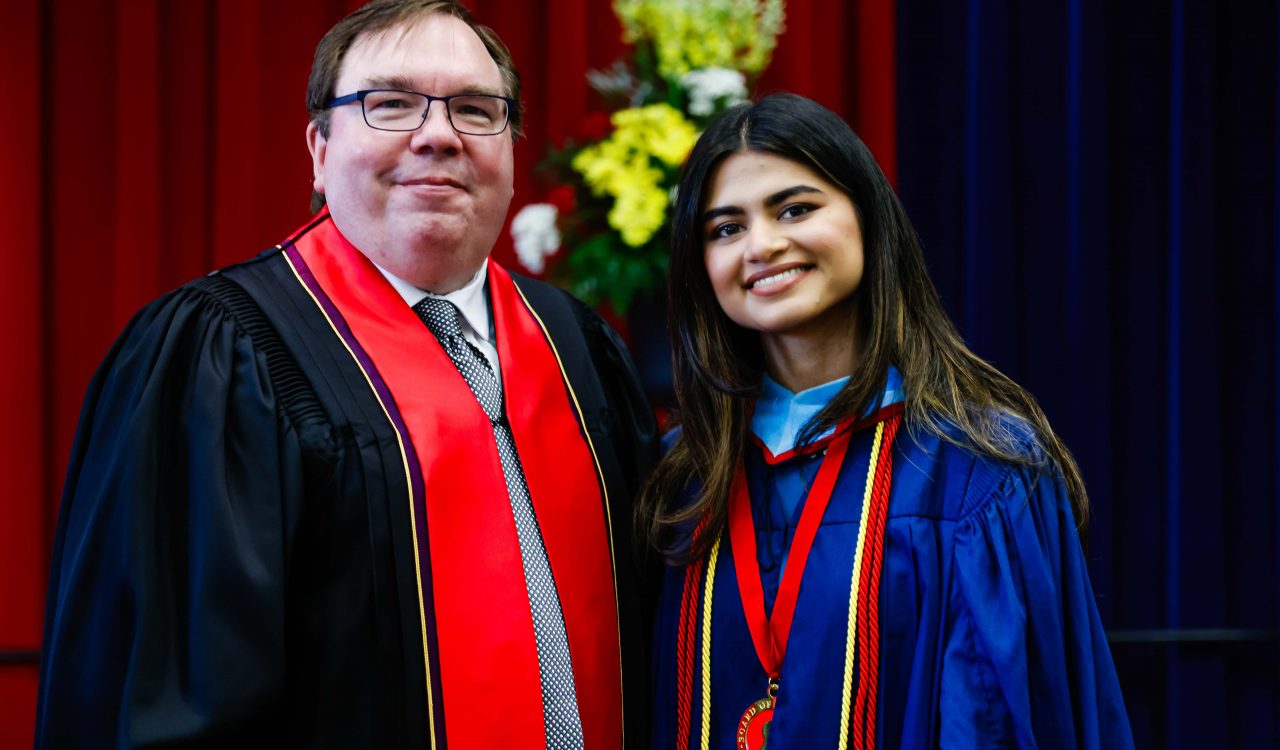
x,y
146,142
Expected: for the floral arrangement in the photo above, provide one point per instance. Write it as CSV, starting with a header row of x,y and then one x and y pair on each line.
x,y
602,231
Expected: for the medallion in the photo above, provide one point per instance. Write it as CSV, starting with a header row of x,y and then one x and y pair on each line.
x,y
753,728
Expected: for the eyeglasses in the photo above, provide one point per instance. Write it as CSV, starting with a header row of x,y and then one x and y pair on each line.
x,y
400,111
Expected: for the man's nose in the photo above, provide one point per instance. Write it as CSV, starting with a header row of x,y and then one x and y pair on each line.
x,y
436,133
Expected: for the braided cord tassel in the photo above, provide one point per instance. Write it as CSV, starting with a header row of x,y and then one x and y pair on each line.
x,y
850,649
706,645
685,644
868,635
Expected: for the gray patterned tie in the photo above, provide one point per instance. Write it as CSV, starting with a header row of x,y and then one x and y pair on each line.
x,y
561,723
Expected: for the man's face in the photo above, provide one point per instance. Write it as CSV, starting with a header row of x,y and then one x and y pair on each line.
x,y
425,205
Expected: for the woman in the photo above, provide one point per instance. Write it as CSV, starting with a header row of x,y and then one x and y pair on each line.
x,y
872,532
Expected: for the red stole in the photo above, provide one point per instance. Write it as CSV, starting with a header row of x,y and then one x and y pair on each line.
x,y
488,656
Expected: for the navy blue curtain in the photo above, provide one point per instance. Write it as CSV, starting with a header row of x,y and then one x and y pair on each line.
x,y
1095,186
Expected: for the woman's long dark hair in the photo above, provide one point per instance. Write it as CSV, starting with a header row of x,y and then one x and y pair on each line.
x,y
897,320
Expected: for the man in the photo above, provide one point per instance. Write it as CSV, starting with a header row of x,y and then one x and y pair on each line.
x,y
367,489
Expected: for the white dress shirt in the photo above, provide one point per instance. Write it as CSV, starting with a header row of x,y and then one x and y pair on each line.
x,y
471,300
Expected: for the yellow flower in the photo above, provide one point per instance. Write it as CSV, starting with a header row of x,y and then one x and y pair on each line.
x,y
638,214
660,129
627,167
690,34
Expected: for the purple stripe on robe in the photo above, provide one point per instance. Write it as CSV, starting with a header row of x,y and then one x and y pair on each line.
x,y
415,475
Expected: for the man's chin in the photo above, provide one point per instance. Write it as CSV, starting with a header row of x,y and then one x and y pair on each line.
x,y
434,228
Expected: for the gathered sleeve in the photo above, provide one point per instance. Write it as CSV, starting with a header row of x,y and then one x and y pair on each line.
x,y
165,620
629,418
1025,661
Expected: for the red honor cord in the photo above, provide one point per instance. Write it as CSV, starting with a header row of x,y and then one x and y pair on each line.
x,y
769,634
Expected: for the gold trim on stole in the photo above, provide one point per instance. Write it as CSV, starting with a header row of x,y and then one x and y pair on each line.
x,y
604,490
400,440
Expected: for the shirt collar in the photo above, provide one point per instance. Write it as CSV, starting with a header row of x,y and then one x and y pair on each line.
x,y
780,415
470,300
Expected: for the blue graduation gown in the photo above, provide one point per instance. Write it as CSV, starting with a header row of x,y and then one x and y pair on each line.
x,y
989,633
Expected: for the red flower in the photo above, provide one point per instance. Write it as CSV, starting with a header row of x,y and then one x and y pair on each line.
x,y
596,126
563,198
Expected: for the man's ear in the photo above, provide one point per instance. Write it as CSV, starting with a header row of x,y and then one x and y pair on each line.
x,y
318,145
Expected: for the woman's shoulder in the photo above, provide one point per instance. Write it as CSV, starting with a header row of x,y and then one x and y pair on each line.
x,y
942,475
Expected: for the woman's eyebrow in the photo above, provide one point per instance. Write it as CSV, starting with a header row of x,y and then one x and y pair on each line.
x,y
769,202
783,195
713,213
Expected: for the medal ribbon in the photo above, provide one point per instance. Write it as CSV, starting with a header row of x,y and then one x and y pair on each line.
x,y
769,634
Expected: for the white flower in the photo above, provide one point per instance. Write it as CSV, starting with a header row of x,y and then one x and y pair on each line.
x,y
536,235
706,86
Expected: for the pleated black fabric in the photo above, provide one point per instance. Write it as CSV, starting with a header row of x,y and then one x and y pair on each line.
x,y
234,560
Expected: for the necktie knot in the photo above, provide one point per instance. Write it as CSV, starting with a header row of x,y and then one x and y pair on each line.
x,y
440,315
441,318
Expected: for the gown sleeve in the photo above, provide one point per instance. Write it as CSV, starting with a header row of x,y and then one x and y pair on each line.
x,y
631,424
165,620
1025,661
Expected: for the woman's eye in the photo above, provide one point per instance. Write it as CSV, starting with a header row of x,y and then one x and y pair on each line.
x,y
727,229
795,210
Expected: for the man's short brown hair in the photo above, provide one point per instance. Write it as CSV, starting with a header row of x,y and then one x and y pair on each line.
x,y
384,15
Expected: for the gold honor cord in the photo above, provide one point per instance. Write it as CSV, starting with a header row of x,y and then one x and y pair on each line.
x,y
706,645
851,639
851,635
604,492
400,441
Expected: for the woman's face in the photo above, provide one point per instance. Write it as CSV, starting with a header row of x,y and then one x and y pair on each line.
x,y
783,248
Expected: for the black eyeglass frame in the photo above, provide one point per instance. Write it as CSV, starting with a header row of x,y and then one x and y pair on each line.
x,y
359,96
